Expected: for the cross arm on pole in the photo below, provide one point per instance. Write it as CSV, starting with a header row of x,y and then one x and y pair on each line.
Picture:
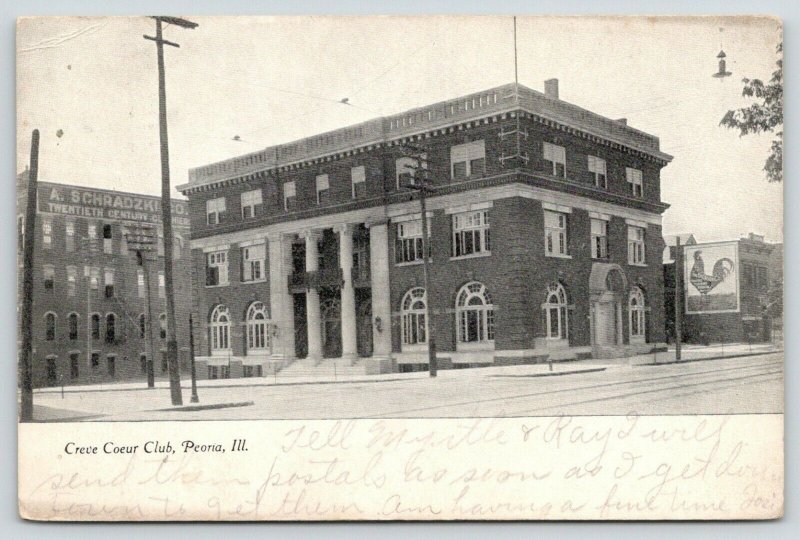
x,y
163,41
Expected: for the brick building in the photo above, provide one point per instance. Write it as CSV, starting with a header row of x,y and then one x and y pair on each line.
x,y
759,286
80,239
545,228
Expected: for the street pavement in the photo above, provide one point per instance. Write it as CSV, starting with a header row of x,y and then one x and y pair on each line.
x,y
645,385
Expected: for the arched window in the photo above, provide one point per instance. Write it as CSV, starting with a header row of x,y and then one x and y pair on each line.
x,y
474,313
50,326
554,311
95,326
72,323
162,324
111,328
413,312
257,326
220,329
142,326
636,314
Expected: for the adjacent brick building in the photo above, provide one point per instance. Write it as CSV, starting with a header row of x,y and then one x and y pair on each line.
x,y
545,228
80,239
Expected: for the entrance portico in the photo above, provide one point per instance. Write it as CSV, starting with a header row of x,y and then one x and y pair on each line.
x,y
607,287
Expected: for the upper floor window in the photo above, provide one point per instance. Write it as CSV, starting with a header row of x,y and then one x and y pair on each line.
x,y
555,233
109,282
635,245
413,309
72,323
475,314
215,211
253,262
252,203
323,188
634,177
50,326
140,286
468,160
70,232
597,166
217,268
358,179
408,247
599,238
94,277
108,246
49,276
471,233
406,170
556,156
289,196
72,280
162,285
95,323
111,328
47,233
91,231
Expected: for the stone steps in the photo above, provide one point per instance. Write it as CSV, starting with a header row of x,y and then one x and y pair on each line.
x,y
329,367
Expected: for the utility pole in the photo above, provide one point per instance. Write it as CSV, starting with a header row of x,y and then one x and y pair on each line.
x,y
90,252
166,208
678,297
141,242
422,186
26,355
194,398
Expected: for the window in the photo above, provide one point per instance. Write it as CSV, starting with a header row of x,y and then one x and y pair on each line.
x,y
635,245
49,276
215,211
162,285
162,326
142,326
253,262
252,371
95,326
95,359
413,315
111,328
599,238
220,330
556,157
406,169
111,364
554,310
108,279
252,203
555,233
217,268
70,232
636,314
51,369
140,287
73,325
257,327
143,363
358,179
634,177
94,277
408,246
91,231
50,327
47,233
471,233
597,166
108,246
72,280
322,189
219,372
475,314
74,366
290,196
468,160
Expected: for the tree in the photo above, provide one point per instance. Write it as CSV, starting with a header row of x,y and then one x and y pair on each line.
x,y
765,116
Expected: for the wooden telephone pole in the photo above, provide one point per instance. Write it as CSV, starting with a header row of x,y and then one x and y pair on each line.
x,y
166,201
678,297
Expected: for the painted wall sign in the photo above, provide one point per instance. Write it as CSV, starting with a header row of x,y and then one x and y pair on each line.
x,y
711,277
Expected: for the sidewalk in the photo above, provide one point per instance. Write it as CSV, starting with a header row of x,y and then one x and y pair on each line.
x,y
691,353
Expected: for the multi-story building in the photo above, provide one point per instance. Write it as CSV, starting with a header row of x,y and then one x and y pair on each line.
x,y
757,281
544,222
89,290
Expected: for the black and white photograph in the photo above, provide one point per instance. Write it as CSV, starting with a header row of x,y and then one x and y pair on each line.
x,y
549,223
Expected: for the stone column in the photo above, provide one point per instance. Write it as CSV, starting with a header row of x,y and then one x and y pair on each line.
x,y
313,315
348,302
381,301
280,299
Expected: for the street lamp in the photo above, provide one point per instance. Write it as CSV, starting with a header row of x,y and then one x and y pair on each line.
x,y
421,184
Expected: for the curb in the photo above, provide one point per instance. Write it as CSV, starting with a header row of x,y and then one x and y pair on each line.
x,y
190,408
555,373
689,361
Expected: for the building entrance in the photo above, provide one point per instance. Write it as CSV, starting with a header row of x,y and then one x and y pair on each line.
x,y
331,328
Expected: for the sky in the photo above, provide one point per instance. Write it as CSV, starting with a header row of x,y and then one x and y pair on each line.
x,y
90,86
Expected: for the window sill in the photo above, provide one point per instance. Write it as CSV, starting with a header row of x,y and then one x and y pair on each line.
x,y
640,265
243,282
412,263
557,256
217,285
472,256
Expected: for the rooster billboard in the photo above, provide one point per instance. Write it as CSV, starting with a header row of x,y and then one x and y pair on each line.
x,y
711,277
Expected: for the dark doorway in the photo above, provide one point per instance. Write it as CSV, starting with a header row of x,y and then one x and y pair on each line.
x,y
364,325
